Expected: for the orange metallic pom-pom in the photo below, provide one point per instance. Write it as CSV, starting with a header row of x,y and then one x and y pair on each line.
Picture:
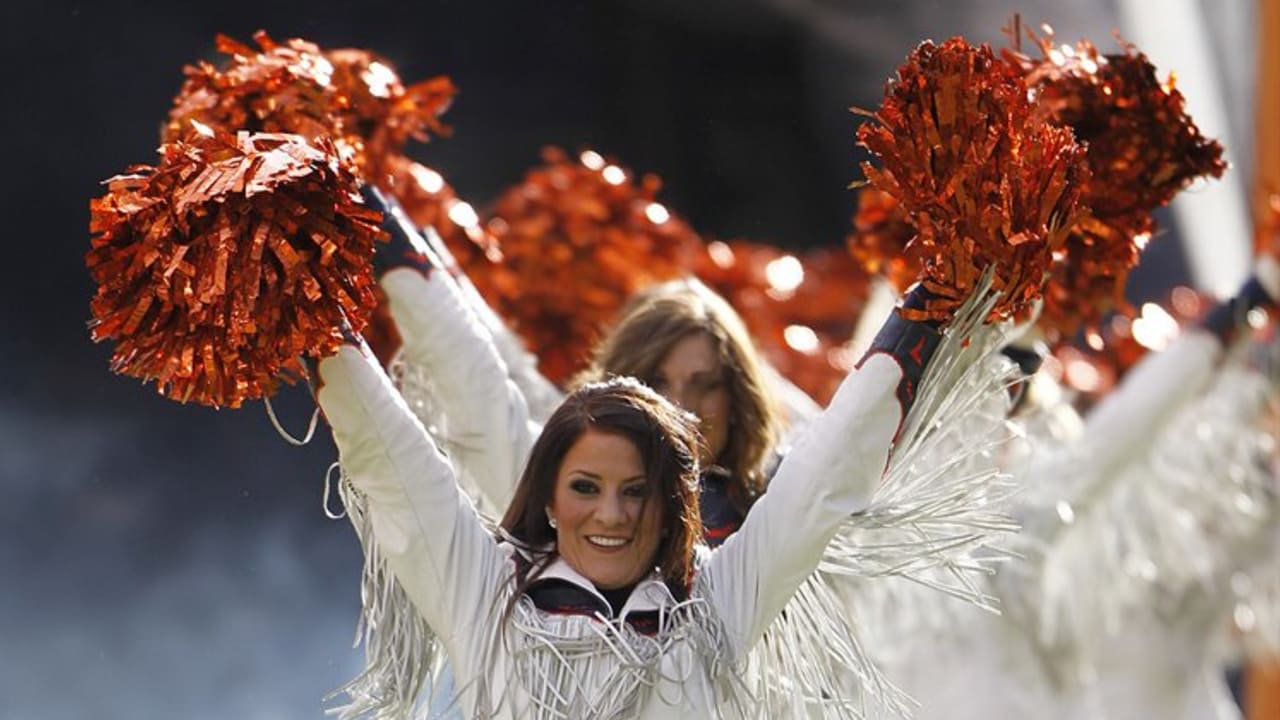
x,y
380,113
430,201
1122,340
800,310
577,238
1268,228
1088,279
224,264
881,239
1141,148
985,182
350,96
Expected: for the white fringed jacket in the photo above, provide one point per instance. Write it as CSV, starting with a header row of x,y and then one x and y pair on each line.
x,y
545,665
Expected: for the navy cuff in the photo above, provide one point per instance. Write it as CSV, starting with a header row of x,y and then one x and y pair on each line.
x,y
1028,360
911,344
405,247
1225,319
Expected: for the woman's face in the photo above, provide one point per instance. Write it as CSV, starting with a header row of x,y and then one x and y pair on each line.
x,y
692,376
608,521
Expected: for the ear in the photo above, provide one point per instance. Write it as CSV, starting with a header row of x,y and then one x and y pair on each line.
x,y
551,518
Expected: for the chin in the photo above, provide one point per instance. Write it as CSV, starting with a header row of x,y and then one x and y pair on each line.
x,y
612,580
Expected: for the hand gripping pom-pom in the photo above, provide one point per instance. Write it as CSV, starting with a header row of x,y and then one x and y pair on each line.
x,y
221,266
988,185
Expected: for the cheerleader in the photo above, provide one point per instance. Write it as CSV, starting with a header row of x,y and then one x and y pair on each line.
x,y
682,339
591,599
1133,529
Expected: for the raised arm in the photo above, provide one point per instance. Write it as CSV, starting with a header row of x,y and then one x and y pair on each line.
x,y
425,527
1119,430
487,428
542,396
830,474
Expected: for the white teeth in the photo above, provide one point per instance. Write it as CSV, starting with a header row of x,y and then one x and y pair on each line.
x,y
606,541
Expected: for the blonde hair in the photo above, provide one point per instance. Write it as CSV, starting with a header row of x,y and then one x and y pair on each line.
x,y
661,316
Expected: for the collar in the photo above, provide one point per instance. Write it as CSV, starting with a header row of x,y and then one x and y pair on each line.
x,y
650,595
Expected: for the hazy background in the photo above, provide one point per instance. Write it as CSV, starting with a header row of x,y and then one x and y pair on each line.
x,y
166,561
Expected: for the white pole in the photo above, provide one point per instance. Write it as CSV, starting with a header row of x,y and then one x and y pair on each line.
x,y
1213,216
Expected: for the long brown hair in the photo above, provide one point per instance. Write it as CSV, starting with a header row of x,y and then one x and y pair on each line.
x,y
663,315
664,435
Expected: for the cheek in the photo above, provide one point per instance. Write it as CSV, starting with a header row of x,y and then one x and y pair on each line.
x,y
651,520
715,408
568,509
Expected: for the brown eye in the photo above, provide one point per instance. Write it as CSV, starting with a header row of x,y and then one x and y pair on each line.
x,y
639,490
583,487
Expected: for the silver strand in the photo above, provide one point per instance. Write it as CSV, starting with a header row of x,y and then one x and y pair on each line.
x,y
324,499
311,427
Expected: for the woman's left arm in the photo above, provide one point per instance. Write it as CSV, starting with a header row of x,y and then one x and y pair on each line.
x,y
830,474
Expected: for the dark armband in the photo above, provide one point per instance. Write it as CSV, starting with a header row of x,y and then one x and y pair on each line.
x,y
910,343
1228,317
405,246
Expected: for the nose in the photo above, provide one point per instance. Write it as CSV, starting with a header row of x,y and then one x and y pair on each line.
x,y
610,512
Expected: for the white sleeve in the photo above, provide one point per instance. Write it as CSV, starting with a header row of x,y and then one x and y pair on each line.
x,y
489,431
830,474
1126,420
426,528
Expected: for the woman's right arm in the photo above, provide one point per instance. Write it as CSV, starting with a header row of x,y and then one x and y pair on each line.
x,y
1119,429
487,426
447,562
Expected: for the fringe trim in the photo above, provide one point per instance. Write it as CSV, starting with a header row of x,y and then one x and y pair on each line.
x,y
402,653
812,662
573,666
1166,536
937,521
567,666
418,389
941,513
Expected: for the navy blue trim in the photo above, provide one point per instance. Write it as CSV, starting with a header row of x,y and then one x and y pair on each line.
x,y
561,597
910,343
1028,360
400,249
1227,317
720,518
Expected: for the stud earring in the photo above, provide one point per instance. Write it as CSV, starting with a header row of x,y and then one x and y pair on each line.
x,y
551,520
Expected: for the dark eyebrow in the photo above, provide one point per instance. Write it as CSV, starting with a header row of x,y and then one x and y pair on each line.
x,y
593,476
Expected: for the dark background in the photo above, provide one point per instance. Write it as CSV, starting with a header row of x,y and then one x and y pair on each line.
x,y
158,560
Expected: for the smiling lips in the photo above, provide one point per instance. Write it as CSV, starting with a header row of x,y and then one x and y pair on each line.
x,y
607,543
